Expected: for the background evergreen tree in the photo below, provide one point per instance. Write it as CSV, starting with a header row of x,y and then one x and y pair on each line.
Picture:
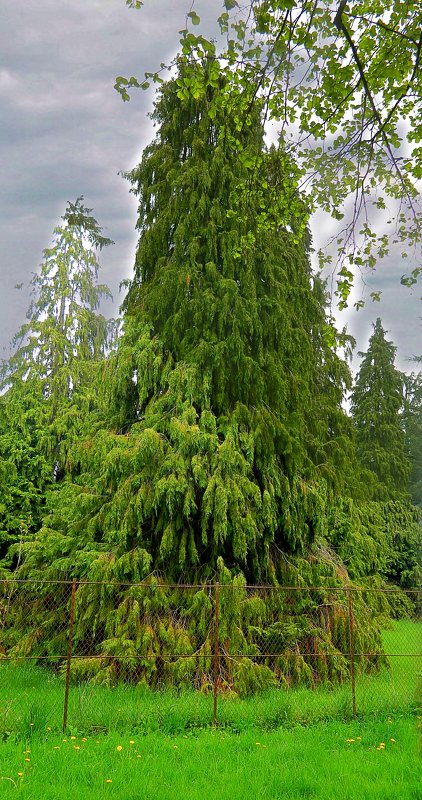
x,y
49,383
412,423
376,403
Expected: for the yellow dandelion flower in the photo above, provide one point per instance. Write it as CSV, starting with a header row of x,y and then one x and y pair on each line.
x,y
119,748
27,759
258,744
84,739
76,747
382,744
64,740
131,742
358,738
138,756
392,740
72,738
48,728
175,747
56,747
20,774
108,780
379,748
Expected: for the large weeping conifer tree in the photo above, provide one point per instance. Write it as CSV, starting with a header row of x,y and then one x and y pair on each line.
x,y
225,393
222,277
227,445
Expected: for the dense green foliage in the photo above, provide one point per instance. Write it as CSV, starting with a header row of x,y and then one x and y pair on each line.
x,y
229,434
412,424
377,400
50,383
385,405
211,444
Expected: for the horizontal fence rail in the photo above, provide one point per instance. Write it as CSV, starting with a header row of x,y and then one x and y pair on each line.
x,y
94,654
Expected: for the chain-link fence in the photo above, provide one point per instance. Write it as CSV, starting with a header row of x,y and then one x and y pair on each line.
x,y
94,656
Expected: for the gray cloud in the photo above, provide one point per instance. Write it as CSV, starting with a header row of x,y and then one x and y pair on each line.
x,y
399,309
399,306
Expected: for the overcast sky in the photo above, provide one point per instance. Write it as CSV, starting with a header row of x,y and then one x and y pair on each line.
x,y
65,132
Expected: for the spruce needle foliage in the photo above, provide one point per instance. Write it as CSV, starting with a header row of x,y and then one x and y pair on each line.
x,y
50,383
386,411
412,424
377,400
225,393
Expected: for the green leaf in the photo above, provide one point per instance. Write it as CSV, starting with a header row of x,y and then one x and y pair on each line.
x,y
196,20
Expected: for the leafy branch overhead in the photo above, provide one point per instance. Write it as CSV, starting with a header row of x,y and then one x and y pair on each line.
x,y
341,82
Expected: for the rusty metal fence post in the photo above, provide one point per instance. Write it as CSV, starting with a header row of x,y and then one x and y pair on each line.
x,y
69,654
216,660
351,651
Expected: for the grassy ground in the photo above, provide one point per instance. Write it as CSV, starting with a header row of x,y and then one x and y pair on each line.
x,y
133,743
370,760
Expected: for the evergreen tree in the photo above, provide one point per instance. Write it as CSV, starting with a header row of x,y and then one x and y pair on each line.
x,y
229,436
227,393
412,423
377,400
49,382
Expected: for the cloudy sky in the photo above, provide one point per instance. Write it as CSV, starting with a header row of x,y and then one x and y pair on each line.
x,y
65,132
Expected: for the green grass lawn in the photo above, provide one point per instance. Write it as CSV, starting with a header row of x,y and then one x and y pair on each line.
x,y
131,742
369,760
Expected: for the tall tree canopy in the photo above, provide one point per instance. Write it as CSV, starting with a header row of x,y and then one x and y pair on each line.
x,y
227,391
377,400
49,382
342,82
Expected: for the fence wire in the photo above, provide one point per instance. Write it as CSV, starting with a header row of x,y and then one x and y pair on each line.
x,y
94,656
